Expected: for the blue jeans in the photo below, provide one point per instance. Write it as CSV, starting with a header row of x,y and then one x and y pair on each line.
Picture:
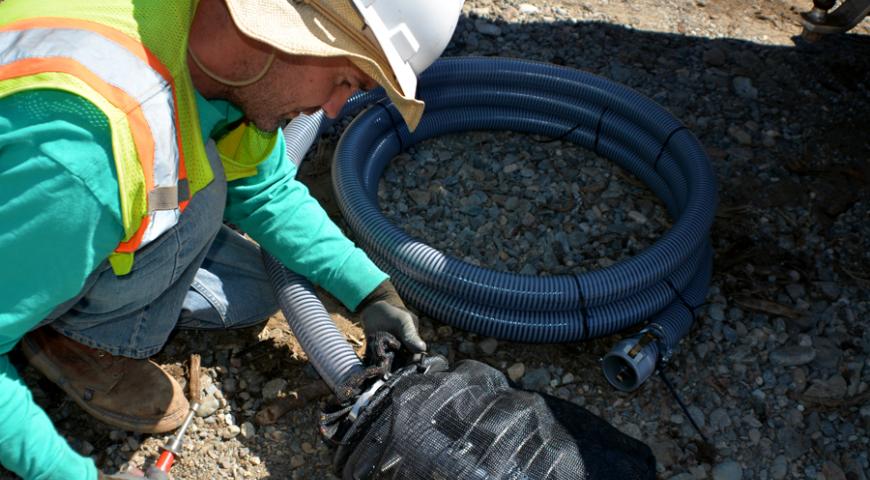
x,y
199,275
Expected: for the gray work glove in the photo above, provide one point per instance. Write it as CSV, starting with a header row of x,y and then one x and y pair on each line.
x,y
384,311
151,474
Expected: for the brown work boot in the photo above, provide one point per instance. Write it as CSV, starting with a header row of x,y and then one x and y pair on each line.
x,y
129,394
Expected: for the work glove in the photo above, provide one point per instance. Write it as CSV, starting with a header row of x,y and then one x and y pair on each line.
x,y
151,474
384,311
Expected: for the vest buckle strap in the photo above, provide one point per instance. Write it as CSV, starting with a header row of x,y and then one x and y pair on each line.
x,y
163,198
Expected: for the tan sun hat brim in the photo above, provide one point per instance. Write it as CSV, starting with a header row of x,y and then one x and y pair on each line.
x,y
323,28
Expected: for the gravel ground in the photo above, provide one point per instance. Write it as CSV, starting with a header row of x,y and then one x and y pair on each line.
x,y
776,369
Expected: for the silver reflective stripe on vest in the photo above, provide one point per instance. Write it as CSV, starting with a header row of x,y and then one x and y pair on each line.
x,y
116,66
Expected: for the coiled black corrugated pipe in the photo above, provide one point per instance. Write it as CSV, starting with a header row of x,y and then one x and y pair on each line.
x,y
663,285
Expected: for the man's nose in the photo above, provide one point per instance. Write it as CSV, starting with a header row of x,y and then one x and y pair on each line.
x,y
336,101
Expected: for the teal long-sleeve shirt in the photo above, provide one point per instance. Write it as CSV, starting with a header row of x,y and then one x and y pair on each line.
x,y
60,218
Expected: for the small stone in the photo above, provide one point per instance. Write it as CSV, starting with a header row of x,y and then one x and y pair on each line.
x,y
231,431
420,197
308,448
832,389
699,472
528,9
728,470
209,405
230,385
792,356
741,136
488,346
829,289
248,430
743,88
632,431
637,217
779,468
487,28
537,379
272,388
620,72
528,219
716,312
466,347
832,471
568,379
297,461
85,448
132,443
754,436
865,415
768,138
720,419
697,415
714,57
512,202
666,451
516,371
828,355
680,476
796,291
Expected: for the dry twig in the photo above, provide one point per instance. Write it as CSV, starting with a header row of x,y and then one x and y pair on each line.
x,y
294,400
194,386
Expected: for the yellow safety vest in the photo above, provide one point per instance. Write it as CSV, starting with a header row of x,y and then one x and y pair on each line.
x,y
128,57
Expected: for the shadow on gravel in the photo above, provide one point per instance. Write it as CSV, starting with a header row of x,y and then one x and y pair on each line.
x,y
785,126
786,129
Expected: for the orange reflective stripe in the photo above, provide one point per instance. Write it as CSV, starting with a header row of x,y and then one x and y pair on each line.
x,y
117,97
132,245
130,44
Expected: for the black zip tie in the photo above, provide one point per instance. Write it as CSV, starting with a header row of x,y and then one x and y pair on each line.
x,y
393,124
682,405
680,297
584,312
560,137
598,129
664,145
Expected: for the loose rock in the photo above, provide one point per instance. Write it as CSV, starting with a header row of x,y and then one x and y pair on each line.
x,y
728,470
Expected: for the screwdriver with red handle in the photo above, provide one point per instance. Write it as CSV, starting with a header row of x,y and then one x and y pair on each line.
x,y
172,451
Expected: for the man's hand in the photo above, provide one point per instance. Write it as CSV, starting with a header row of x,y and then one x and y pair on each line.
x,y
152,474
384,311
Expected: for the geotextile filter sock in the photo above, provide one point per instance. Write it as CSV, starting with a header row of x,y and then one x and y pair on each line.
x,y
469,423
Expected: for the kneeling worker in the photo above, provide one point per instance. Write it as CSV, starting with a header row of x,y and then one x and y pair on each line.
x,y
130,130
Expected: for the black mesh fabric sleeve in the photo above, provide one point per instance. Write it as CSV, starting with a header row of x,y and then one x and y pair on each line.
x,y
469,423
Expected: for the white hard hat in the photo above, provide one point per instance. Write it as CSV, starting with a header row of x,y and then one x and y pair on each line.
x,y
390,40
412,33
